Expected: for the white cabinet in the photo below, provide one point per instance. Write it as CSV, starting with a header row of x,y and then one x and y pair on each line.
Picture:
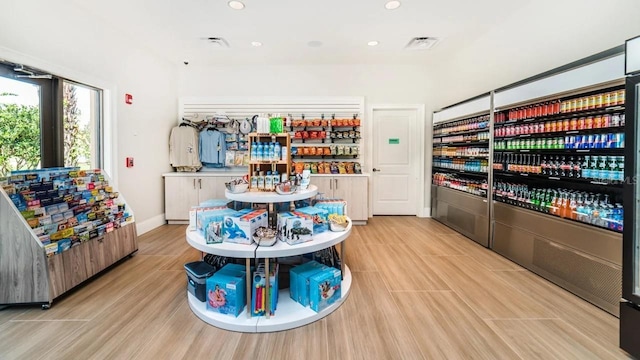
x,y
183,192
353,189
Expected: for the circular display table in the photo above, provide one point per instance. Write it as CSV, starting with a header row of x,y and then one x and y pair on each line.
x,y
289,314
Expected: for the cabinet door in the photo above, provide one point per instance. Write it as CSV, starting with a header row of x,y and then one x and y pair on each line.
x,y
207,188
180,193
95,256
324,184
355,191
212,187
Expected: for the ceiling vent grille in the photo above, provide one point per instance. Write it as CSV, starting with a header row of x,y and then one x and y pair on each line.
x,y
217,42
421,43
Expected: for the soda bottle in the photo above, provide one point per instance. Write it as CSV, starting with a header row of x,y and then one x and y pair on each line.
x,y
577,172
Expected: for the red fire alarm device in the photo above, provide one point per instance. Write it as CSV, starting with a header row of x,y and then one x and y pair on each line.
x,y
129,162
128,98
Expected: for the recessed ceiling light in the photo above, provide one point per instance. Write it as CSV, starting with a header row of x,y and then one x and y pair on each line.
x,y
314,43
372,43
256,43
392,5
236,5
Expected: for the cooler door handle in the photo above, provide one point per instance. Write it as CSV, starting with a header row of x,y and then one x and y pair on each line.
x,y
200,183
194,183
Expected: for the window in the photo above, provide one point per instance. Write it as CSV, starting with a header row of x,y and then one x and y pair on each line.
x,y
81,119
47,121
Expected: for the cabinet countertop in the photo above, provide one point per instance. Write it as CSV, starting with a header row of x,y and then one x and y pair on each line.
x,y
204,174
341,175
240,174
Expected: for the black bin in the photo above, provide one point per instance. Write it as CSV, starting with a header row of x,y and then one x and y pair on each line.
x,y
197,274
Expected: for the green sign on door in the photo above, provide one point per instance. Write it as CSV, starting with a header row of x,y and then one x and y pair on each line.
x,y
394,141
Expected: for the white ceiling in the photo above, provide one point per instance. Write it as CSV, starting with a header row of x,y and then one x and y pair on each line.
x,y
175,29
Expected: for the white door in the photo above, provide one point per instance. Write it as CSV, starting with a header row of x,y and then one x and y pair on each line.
x,y
395,162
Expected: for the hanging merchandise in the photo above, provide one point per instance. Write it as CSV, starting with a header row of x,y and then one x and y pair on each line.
x,y
183,147
212,148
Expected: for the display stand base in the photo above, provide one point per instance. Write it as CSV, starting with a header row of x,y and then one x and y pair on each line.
x,y
289,313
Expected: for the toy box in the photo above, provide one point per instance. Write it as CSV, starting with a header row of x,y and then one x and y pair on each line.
x,y
197,274
324,289
320,218
302,282
334,206
293,277
210,224
259,290
226,293
294,228
239,228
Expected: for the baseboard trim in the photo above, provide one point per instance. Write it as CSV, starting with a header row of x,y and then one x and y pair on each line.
x,y
425,213
150,224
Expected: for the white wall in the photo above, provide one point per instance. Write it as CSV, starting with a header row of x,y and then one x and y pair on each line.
x,y
543,35
379,84
58,37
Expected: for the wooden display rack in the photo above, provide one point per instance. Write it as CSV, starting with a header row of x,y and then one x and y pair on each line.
x,y
281,166
28,276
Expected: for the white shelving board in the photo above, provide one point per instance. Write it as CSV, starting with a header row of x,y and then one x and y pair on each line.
x,y
289,314
272,197
279,249
196,240
319,242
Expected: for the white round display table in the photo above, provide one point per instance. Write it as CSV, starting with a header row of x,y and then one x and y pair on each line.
x,y
289,313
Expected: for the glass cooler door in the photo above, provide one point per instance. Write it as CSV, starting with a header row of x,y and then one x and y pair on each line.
x,y
631,234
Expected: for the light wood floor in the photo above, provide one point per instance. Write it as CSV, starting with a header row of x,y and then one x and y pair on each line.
x,y
420,291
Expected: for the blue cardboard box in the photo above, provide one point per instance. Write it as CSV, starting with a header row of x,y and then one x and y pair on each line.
x,y
303,283
293,277
324,289
226,293
320,218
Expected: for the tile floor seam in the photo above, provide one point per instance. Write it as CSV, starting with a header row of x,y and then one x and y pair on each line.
x,y
515,351
406,323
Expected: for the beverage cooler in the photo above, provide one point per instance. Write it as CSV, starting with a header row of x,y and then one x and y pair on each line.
x,y
630,304
461,175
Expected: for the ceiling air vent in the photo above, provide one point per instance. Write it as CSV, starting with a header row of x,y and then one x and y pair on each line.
x,y
217,42
421,43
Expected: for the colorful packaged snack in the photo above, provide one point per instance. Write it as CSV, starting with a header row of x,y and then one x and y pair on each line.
x,y
349,167
340,150
327,151
333,149
357,169
307,166
314,168
334,168
341,168
299,167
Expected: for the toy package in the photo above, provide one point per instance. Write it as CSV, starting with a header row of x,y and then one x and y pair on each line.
x,y
239,228
320,218
210,224
226,293
259,290
294,227
324,289
302,282
293,276
333,206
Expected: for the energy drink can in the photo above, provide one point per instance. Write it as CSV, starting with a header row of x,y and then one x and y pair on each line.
x,y
590,142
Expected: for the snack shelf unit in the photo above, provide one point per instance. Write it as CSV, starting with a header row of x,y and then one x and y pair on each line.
x,y
289,314
465,211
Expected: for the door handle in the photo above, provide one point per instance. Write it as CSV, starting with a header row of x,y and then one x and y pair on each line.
x,y
194,183
330,185
376,170
200,183
336,180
